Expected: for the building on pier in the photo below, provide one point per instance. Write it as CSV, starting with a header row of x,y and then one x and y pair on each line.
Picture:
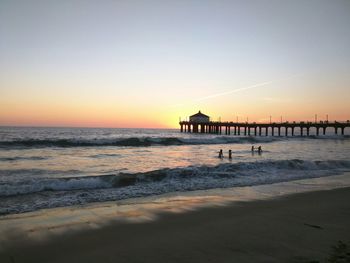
x,y
199,118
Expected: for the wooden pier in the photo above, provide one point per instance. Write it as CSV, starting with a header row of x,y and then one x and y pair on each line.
x,y
263,129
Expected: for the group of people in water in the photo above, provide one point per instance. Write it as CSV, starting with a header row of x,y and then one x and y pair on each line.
x,y
253,149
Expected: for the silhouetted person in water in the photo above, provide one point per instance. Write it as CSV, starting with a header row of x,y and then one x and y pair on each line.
x,y
230,154
253,148
221,155
259,149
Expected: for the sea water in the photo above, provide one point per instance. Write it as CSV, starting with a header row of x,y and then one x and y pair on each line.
x,y
57,167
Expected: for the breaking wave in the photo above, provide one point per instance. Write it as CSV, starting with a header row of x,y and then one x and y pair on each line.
x,y
148,141
33,194
187,178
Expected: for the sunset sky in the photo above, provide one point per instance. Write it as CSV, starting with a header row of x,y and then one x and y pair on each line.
x,y
147,63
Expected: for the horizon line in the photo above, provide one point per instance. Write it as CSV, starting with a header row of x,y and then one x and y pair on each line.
x,y
77,127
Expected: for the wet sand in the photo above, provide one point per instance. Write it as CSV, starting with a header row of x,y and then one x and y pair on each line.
x,y
295,228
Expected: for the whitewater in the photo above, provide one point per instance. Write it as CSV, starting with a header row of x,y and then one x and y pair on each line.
x,y
58,167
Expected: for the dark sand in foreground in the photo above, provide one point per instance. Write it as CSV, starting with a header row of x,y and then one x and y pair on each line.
x,y
296,228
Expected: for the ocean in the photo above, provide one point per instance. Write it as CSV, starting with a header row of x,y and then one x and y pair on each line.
x,y
59,167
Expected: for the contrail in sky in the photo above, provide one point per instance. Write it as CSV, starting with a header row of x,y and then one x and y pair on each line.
x,y
240,89
244,88
233,91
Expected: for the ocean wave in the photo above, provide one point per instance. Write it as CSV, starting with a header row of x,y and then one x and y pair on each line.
x,y
105,155
149,141
189,178
22,158
132,141
34,172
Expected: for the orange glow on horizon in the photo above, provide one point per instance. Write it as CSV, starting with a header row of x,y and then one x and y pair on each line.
x,y
158,111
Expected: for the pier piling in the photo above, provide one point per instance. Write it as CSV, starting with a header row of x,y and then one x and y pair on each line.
x,y
218,127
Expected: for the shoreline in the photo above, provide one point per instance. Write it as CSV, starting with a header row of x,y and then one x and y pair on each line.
x,y
297,220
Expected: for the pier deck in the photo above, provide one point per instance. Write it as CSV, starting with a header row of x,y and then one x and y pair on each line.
x,y
260,129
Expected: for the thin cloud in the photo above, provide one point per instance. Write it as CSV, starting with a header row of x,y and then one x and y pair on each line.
x,y
262,84
234,91
244,88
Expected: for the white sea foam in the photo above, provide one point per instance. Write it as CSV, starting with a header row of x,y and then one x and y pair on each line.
x,y
114,187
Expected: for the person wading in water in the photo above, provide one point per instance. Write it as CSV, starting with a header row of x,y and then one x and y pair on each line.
x,y
221,155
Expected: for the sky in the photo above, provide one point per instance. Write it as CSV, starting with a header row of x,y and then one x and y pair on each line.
x,y
147,63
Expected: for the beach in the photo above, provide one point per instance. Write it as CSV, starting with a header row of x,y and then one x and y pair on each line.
x,y
299,227
153,195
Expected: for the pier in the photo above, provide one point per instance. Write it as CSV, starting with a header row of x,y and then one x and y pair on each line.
x,y
263,129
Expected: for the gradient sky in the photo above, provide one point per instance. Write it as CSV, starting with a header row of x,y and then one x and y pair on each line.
x,y
146,63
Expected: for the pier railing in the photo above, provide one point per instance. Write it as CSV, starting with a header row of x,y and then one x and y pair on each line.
x,y
259,129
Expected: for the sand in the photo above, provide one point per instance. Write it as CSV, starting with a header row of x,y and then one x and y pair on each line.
x,y
295,228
